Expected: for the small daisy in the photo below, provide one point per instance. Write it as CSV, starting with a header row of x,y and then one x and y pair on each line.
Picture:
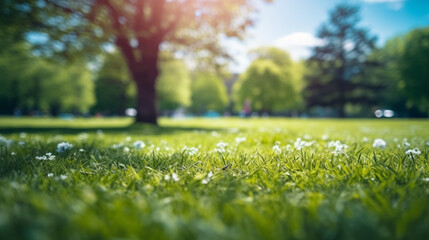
x,y
379,143
64,146
138,145
413,152
175,177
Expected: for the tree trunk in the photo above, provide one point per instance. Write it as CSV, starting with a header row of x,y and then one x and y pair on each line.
x,y
143,65
146,96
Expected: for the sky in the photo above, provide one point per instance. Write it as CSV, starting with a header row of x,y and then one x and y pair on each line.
x,y
292,24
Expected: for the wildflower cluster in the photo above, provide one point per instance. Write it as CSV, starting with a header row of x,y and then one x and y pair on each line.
x,y
221,147
64,146
47,156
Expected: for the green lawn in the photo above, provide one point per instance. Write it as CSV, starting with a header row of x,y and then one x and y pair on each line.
x,y
214,179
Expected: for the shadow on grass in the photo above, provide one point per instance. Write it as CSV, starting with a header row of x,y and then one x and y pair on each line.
x,y
133,129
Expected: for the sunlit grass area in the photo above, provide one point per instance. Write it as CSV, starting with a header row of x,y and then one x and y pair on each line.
x,y
214,179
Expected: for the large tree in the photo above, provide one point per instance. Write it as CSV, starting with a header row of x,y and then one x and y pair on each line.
x,y
414,69
336,68
138,28
403,69
116,91
266,86
293,73
208,93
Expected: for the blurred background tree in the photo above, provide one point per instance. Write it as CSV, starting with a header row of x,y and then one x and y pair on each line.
x,y
336,68
414,69
32,85
272,83
208,93
402,69
266,86
115,91
293,71
173,86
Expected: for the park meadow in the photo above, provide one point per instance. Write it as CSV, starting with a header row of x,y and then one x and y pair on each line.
x,y
226,178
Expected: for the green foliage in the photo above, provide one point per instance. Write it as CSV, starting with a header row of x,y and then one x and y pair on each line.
x,y
31,83
267,86
277,55
173,85
71,89
115,90
402,70
413,68
208,93
336,78
262,187
15,68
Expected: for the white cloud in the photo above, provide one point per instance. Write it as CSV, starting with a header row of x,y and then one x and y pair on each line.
x,y
298,44
392,4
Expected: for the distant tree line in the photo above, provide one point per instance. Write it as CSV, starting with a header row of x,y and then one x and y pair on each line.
x,y
347,76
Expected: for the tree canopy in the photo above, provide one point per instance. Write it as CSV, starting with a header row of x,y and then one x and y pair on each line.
x,y
272,83
267,87
336,67
208,93
403,61
33,84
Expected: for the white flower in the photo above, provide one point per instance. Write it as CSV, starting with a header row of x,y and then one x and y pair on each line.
x,y
116,146
338,147
167,177
190,151
138,145
126,149
47,156
300,144
22,135
175,177
325,137
63,177
405,143
81,150
50,156
365,139
239,140
287,148
50,175
276,148
221,147
64,146
41,158
413,152
208,178
379,143
13,153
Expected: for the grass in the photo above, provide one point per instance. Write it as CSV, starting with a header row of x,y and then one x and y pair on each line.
x,y
184,185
